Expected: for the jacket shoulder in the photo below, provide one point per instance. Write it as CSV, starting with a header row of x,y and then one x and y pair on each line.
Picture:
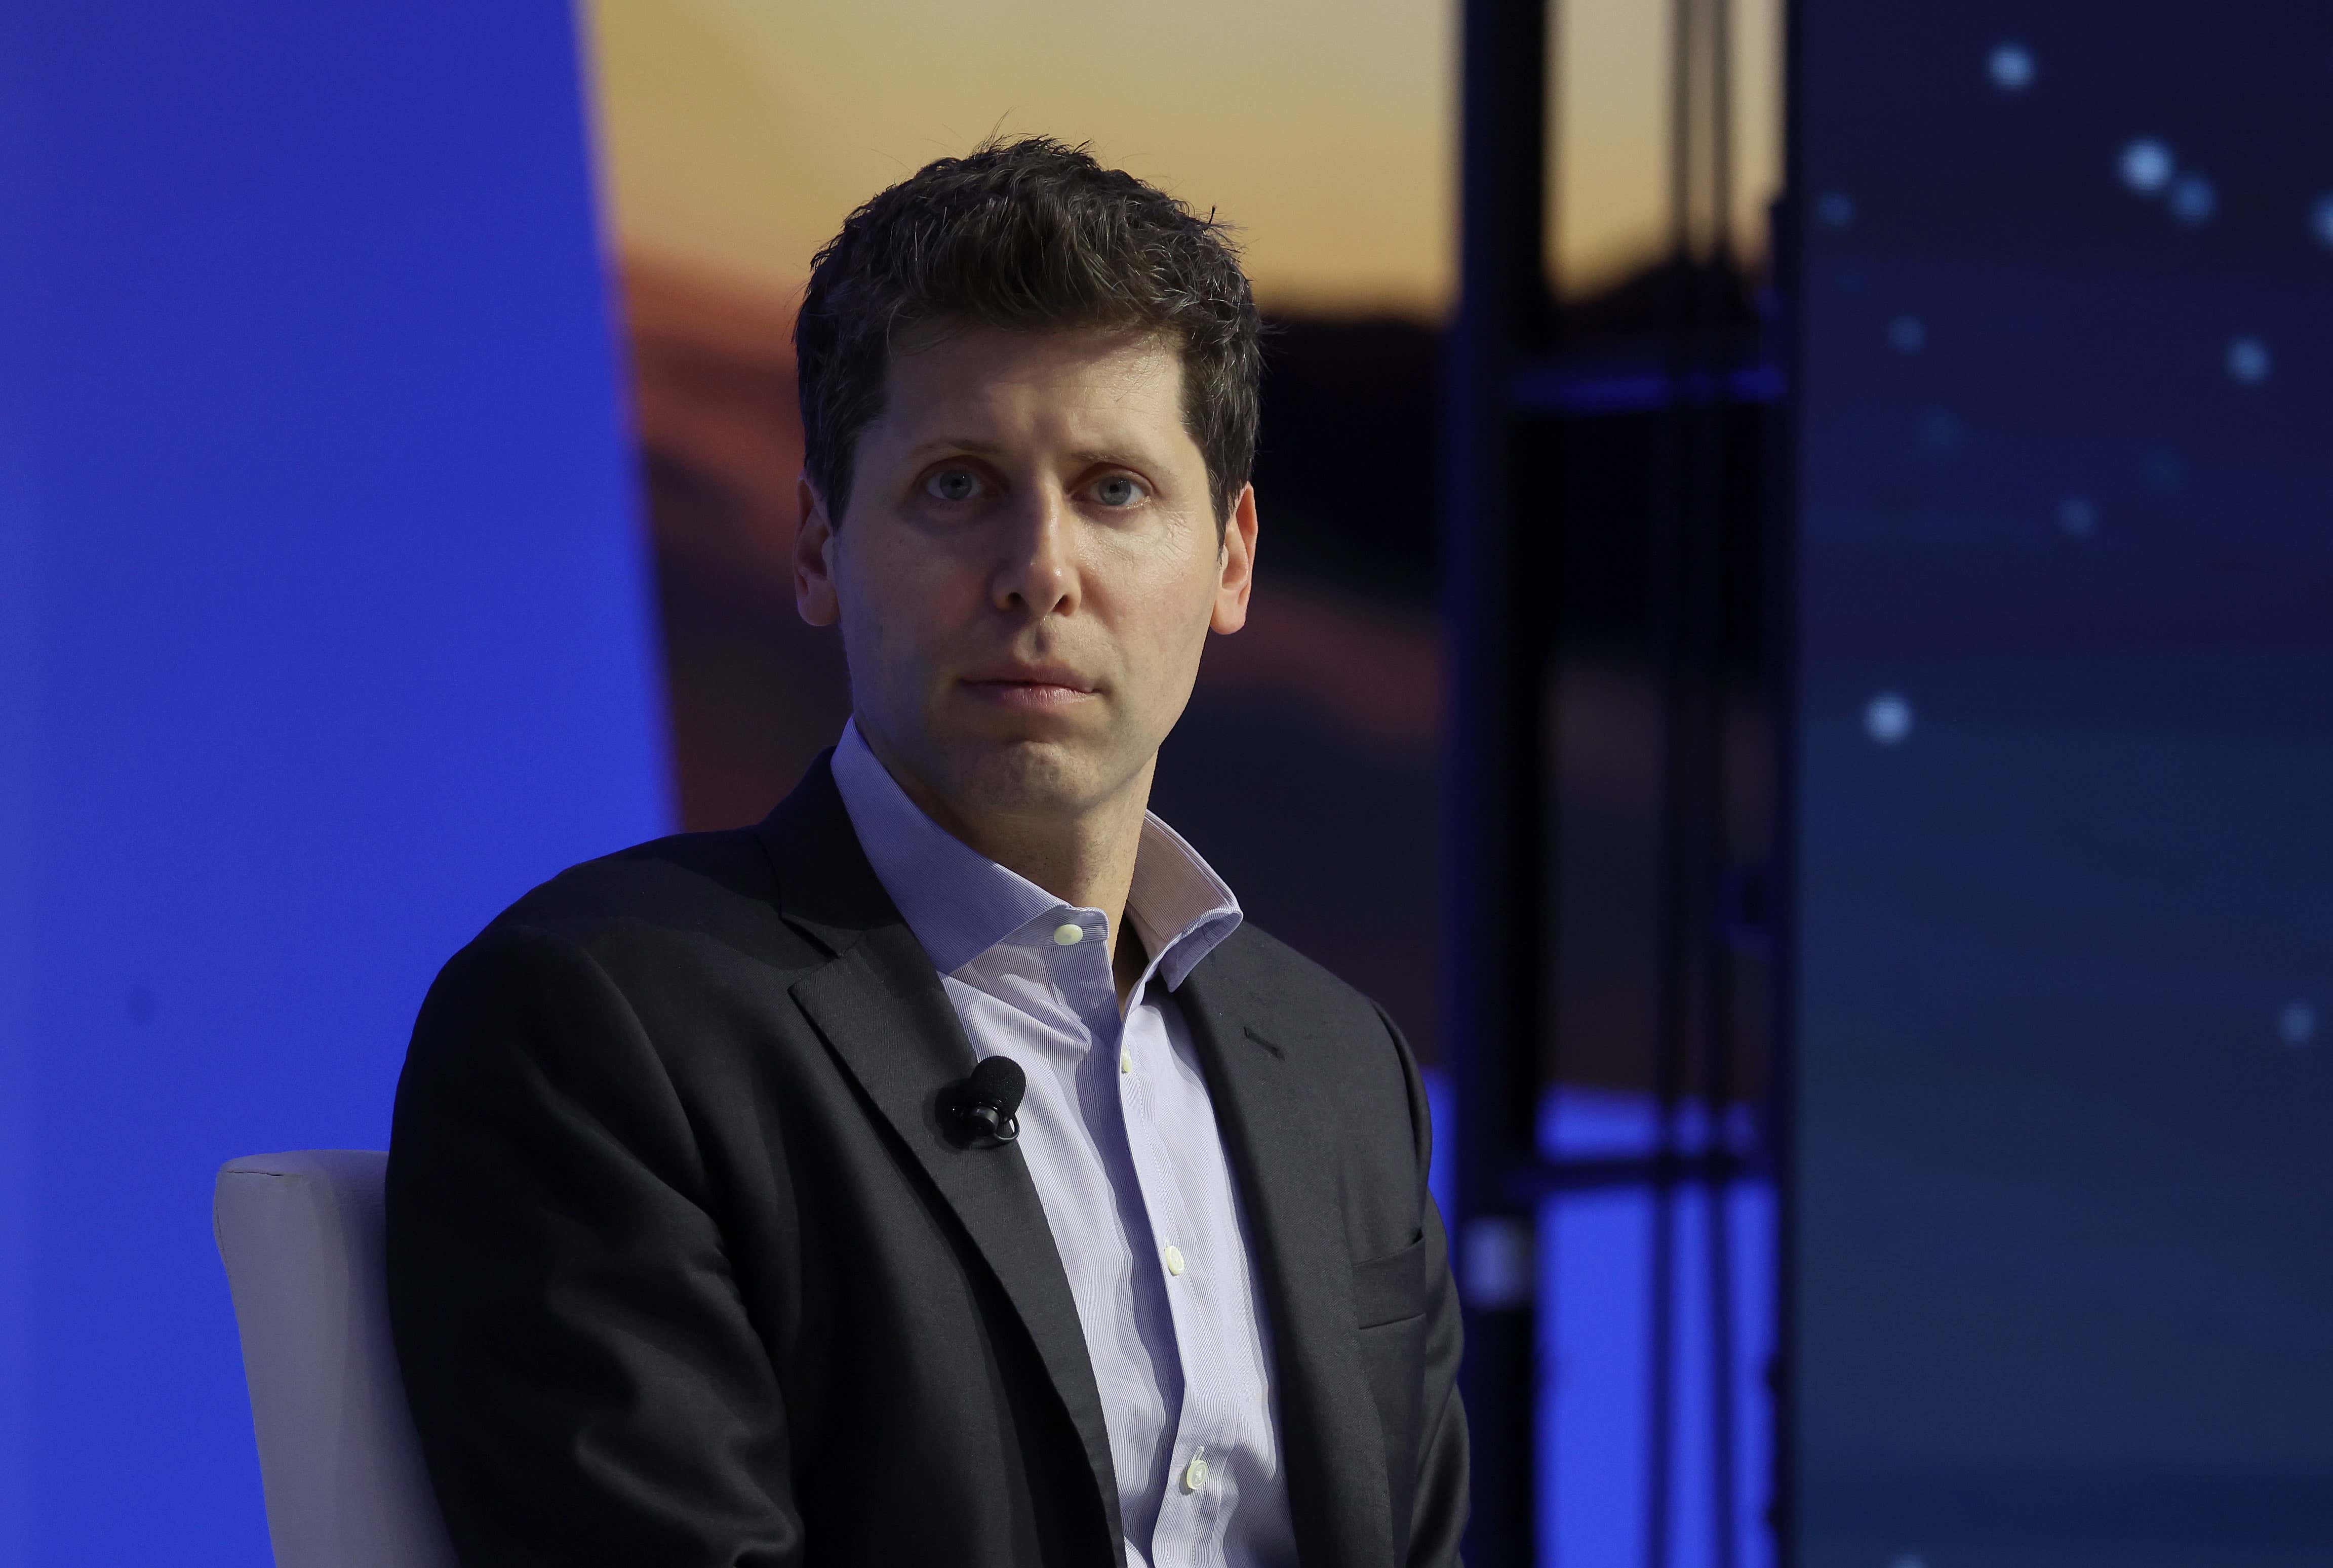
x,y
717,887
1294,985
1348,1049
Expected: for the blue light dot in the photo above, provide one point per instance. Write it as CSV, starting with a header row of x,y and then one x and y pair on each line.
x,y
1888,719
1835,209
2076,516
2247,360
2295,1024
1907,334
2011,67
2146,166
2193,199
2320,220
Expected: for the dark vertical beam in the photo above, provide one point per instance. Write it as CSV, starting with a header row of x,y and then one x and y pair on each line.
x,y
1718,791
1672,508
1492,797
1782,653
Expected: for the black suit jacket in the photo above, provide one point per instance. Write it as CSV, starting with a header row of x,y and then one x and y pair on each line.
x,y
685,1272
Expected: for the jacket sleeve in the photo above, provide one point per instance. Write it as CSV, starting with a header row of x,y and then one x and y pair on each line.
x,y
1438,1512
584,1381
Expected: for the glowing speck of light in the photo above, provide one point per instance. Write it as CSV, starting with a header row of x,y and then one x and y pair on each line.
x,y
1888,719
2011,66
2247,360
2193,199
1835,209
2295,1024
1907,334
2146,166
2320,220
2076,516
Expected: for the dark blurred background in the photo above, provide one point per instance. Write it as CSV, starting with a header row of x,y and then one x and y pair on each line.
x,y
2064,1111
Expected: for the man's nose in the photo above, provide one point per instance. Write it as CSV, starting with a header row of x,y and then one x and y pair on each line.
x,y
1037,574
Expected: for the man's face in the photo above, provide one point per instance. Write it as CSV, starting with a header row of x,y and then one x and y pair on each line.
x,y
1027,571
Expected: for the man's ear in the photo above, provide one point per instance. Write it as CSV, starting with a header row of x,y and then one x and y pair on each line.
x,y
1237,563
815,595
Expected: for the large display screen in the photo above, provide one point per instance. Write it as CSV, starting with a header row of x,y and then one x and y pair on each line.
x,y
2061,1190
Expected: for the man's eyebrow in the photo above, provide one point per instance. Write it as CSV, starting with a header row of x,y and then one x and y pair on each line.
x,y
1090,457
1114,457
956,443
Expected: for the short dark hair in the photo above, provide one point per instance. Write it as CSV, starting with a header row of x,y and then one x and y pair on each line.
x,y
1026,234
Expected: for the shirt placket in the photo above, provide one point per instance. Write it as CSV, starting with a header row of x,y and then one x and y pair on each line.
x,y
1192,1512
1191,1518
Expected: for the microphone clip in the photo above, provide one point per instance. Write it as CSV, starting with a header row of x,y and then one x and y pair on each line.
x,y
982,1111
986,1126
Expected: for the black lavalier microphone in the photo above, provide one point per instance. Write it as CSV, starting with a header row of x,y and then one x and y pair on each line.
x,y
982,1107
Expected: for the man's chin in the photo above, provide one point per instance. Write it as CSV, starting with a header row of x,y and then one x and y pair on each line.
x,y
1019,775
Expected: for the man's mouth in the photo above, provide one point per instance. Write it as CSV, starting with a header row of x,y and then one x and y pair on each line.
x,y
1030,686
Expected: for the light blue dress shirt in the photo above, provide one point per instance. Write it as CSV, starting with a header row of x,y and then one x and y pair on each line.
x,y
1121,1139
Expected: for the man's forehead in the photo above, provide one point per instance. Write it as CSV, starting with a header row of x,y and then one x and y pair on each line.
x,y
987,363
971,387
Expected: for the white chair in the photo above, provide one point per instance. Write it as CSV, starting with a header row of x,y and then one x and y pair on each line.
x,y
300,1237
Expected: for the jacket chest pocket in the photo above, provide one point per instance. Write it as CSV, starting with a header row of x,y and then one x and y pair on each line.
x,y
1390,1288
1389,1299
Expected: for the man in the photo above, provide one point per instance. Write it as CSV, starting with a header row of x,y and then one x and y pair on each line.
x,y
707,1245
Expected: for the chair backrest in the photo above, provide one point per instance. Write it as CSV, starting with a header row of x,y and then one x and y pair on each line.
x,y
300,1237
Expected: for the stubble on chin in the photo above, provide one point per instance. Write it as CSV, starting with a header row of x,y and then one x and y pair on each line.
x,y
1026,778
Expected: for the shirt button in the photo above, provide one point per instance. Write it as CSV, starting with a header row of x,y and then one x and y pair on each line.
x,y
1124,1060
1195,1475
1174,1260
1069,933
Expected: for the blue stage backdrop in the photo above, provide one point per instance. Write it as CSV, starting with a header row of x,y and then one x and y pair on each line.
x,y
323,633
2064,1178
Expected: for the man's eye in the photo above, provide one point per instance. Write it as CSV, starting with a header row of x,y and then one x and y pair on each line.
x,y
953,484
1118,491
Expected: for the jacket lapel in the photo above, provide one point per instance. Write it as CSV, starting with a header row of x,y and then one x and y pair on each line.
x,y
882,1012
1283,1152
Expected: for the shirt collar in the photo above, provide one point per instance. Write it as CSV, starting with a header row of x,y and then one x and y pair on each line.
x,y
960,904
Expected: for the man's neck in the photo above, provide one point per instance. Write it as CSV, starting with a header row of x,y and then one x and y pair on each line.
x,y
1083,857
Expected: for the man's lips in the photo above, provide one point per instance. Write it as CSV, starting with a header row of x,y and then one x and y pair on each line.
x,y
1033,674
1043,687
